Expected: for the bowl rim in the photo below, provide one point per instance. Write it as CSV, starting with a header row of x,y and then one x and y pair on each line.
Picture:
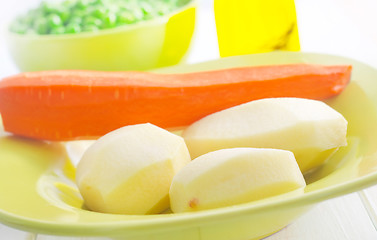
x,y
182,219
102,32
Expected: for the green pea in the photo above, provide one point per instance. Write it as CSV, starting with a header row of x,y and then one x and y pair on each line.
x,y
147,11
82,4
90,20
41,26
99,2
138,13
74,16
68,3
90,28
74,20
79,13
146,7
99,12
54,20
126,18
109,20
48,7
58,30
162,9
64,14
148,16
73,28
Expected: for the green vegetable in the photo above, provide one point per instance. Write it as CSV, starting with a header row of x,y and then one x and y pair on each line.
x,y
90,28
41,26
109,20
99,12
75,16
73,28
54,21
92,21
58,30
126,17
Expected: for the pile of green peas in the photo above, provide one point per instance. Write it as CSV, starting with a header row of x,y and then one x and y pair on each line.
x,y
75,16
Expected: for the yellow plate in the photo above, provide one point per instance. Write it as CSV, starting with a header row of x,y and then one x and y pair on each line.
x,y
38,193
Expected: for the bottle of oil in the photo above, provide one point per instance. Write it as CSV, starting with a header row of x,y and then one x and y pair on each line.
x,y
254,26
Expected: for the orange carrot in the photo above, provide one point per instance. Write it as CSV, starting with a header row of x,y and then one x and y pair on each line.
x,y
67,105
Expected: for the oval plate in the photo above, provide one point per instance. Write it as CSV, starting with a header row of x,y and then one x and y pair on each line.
x,y
38,193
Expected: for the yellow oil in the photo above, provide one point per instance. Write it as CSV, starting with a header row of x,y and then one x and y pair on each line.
x,y
254,26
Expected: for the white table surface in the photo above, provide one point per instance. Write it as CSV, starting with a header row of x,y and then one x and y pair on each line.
x,y
341,27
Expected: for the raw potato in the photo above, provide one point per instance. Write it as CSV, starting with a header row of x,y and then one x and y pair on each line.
x,y
310,129
129,170
234,176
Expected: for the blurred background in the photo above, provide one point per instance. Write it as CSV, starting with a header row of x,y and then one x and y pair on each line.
x,y
341,27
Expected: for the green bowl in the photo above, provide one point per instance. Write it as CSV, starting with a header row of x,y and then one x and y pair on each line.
x,y
145,45
38,193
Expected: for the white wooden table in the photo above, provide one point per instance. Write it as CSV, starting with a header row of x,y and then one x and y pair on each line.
x,y
341,27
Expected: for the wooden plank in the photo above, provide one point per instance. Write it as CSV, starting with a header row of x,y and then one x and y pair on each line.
x,y
7,233
342,218
369,198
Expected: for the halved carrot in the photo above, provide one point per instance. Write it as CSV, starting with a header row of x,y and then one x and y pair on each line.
x,y
67,105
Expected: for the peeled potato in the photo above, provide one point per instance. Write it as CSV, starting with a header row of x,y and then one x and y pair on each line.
x,y
234,176
310,129
130,170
